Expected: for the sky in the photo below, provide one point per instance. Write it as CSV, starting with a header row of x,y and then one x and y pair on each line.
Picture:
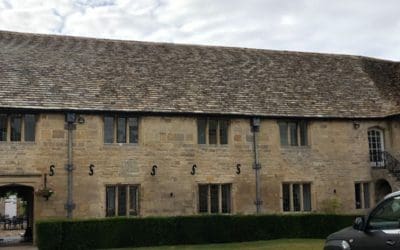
x,y
357,27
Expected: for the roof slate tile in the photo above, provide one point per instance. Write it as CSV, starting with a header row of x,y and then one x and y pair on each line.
x,y
60,72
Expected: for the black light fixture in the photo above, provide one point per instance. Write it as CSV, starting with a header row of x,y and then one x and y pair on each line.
x,y
356,125
81,119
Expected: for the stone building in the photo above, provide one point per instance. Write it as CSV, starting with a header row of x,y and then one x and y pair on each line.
x,y
122,128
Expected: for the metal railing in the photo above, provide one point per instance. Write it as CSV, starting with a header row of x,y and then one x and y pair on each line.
x,y
383,159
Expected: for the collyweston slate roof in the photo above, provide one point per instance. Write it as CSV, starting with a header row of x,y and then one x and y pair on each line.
x,y
59,72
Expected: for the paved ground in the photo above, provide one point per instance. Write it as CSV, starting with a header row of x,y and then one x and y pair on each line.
x,y
10,240
18,247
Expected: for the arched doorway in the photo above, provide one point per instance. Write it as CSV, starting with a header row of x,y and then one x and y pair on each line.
x,y
18,227
382,188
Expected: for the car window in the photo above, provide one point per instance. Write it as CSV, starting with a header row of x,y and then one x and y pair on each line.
x,y
386,216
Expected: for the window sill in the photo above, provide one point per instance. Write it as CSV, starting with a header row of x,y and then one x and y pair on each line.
x,y
115,145
294,148
208,214
17,143
297,212
213,145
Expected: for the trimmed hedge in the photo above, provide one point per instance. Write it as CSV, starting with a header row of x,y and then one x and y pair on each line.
x,y
150,231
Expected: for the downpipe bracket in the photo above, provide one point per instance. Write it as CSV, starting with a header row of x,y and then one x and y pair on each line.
x,y
69,206
257,166
69,167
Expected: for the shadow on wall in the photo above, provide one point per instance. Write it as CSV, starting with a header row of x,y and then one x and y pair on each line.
x,y
382,188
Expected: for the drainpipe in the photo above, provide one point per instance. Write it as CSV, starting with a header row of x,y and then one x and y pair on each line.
x,y
70,126
255,128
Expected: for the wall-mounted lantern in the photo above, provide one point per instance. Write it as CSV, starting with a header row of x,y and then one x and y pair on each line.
x,y
81,119
45,191
356,125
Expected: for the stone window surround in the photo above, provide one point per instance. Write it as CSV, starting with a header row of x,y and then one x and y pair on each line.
x,y
291,205
115,128
206,131
376,152
208,185
22,127
302,133
362,204
127,201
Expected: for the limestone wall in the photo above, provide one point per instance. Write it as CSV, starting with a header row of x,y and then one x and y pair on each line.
x,y
336,158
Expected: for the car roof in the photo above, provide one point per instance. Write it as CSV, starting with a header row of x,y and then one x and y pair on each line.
x,y
392,195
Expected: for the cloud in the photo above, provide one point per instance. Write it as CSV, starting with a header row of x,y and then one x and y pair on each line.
x,y
363,27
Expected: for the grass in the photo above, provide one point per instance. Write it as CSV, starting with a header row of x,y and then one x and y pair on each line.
x,y
282,244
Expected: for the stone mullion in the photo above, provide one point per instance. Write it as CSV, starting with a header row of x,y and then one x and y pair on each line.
x,y
8,135
291,205
362,195
127,132
116,200
209,198
218,126
22,127
207,135
220,198
127,199
301,198
115,128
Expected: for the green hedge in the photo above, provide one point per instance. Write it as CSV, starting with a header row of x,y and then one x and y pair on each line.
x,y
150,231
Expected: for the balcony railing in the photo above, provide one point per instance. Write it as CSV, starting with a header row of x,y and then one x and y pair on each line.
x,y
383,159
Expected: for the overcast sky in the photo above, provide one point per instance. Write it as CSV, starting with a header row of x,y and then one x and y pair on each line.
x,y
361,27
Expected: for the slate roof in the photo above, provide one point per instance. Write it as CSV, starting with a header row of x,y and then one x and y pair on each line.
x,y
60,72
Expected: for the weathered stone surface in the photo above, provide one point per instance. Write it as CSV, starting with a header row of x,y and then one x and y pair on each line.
x,y
336,158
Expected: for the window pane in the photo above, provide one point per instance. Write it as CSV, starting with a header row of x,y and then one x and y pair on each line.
x,y
121,200
3,127
110,201
296,197
306,197
366,195
293,133
16,124
201,131
226,198
212,131
286,197
283,129
223,132
133,200
203,198
386,216
303,133
121,130
357,189
375,147
133,129
30,127
214,199
108,129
